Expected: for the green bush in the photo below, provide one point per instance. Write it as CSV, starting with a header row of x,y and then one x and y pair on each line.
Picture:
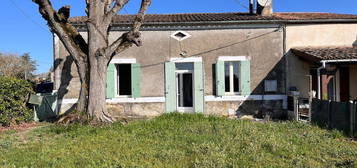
x,y
13,97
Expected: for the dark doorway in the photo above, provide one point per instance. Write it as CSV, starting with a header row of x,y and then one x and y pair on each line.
x,y
124,79
344,84
185,91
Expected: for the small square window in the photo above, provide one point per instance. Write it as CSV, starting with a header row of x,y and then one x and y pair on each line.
x,y
180,35
271,85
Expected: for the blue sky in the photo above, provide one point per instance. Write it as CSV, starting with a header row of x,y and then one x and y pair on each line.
x,y
22,29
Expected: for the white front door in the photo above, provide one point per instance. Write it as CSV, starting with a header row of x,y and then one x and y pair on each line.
x,y
184,85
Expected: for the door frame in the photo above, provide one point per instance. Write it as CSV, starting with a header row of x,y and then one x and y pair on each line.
x,y
185,109
168,92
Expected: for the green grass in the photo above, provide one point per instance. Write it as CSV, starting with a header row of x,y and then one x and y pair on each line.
x,y
176,140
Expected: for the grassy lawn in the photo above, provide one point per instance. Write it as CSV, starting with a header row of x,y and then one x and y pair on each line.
x,y
177,140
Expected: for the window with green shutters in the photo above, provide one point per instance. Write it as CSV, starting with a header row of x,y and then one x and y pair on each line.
x,y
232,78
198,87
123,80
170,87
111,81
135,80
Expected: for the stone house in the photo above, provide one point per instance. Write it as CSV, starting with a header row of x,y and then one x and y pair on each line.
x,y
211,63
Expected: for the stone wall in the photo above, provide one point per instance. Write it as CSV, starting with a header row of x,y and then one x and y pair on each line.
x,y
119,110
258,108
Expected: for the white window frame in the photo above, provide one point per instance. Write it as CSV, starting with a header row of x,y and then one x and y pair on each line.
x,y
233,58
231,78
226,59
117,62
186,60
180,39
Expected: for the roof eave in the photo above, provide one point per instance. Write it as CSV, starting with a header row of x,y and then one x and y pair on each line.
x,y
243,21
339,60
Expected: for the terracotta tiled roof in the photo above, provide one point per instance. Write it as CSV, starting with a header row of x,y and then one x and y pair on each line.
x,y
313,16
326,53
206,17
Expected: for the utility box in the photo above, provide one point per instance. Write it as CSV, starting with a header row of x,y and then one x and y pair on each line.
x,y
45,106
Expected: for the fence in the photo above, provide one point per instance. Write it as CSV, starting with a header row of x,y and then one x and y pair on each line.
x,y
335,115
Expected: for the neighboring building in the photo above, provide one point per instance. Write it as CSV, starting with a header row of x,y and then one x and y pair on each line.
x,y
215,63
332,72
332,43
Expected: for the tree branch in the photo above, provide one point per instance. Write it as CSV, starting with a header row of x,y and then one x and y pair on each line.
x,y
68,34
133,36
118,5
139,19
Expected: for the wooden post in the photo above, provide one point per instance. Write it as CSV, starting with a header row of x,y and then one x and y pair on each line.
x,y
329,115
310,96
352,118
296,108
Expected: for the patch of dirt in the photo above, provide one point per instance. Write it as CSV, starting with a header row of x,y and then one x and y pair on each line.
x,y
22,127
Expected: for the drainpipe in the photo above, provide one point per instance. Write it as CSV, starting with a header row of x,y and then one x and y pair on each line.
x,y
319,78
251,6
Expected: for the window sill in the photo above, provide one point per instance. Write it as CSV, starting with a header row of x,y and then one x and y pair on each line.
x,y
122,96
233,94
137,100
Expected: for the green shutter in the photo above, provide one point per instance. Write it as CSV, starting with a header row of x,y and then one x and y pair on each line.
x,y
111,81
199,91
245,77
170,87
135,80
220,78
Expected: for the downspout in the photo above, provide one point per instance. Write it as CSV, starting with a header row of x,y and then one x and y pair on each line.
x,y
319,78
285,54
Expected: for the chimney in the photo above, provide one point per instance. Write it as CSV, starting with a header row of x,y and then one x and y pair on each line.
x,y
355,43
251,6
265,7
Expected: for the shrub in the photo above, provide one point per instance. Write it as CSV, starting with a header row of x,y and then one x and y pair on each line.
x,y
13,97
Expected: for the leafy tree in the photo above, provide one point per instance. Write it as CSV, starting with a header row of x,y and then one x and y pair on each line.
x,y
92,57
29,66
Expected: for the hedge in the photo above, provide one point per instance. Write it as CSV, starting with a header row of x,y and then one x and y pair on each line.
x,y
13,97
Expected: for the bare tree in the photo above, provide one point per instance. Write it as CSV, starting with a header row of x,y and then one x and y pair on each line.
x,y
17,66
92,57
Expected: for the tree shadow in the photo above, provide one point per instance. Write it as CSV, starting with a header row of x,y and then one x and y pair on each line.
x,y
65,80
266,107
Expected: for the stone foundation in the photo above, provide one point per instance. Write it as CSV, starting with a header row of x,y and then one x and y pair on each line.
x,y
147,110
259,108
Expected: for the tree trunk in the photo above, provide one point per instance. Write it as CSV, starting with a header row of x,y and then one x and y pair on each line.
x,y
83,93
98,63
97,108
92,57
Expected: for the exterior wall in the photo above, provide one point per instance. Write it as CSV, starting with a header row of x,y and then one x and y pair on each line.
x,y
264,45
274,108
353,82
119,110
313,35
